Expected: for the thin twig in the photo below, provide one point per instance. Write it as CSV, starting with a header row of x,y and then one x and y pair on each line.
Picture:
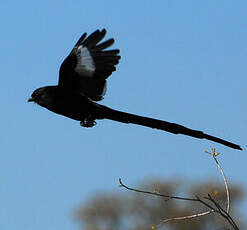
x,y
214,154
188,217
154,193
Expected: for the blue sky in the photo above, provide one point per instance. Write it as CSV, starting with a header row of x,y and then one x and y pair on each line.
x,y
182,61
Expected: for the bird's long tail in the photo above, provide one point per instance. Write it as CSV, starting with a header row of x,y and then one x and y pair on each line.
x,y
174,128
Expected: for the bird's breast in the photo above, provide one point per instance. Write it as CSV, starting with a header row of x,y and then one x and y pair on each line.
x,y
74,106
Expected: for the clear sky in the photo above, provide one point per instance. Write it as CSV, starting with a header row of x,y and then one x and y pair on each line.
x,y
182,61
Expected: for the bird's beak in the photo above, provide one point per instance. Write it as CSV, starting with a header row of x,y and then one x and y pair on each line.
x,y
30,99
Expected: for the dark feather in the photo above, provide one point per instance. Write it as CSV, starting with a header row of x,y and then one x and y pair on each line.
x,y
89,83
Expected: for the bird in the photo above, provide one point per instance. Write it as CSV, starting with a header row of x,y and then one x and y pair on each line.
x,y
82,84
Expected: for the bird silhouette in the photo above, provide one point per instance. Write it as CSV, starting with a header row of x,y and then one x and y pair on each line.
x,y
82,82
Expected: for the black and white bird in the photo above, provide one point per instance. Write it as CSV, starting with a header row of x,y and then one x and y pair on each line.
x,y
82,82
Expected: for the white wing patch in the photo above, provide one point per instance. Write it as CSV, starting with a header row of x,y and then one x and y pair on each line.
x,y
104,89
85,63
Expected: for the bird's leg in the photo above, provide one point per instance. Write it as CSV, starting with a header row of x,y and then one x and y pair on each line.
x,y
88,122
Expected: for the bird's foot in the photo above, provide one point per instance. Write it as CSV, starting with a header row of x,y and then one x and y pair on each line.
x,y
88,122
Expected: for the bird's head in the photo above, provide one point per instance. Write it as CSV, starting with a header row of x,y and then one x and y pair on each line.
x,y
42,96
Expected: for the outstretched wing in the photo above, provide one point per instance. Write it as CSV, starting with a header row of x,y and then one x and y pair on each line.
x,y
88,65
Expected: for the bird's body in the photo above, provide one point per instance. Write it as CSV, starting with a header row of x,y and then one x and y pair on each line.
x,y
82,82
67,103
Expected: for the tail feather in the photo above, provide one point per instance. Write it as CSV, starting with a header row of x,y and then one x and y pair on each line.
x,y
162,125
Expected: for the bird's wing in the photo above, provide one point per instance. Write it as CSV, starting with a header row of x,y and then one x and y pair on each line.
x,y
88,65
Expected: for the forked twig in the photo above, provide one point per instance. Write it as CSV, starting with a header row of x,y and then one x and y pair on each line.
x,y
212,208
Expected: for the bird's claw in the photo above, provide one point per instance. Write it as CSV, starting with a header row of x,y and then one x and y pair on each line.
x,y
88,122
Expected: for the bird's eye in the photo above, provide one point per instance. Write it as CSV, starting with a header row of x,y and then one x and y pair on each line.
x,y
34,95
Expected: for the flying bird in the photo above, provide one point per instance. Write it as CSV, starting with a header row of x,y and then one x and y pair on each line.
x,y
82,82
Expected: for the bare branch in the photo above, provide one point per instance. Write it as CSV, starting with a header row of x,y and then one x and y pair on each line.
x,y
197,199
217,208
222,212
